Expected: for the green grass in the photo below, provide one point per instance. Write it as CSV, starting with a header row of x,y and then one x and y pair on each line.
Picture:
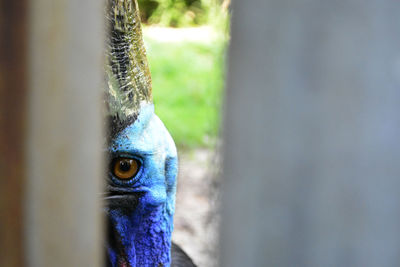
x,y
188,79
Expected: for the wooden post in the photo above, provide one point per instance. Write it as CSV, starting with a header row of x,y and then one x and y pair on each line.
x,y
63,226
312,129
13,88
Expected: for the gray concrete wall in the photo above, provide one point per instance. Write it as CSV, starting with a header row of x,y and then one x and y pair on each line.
x,y
311,134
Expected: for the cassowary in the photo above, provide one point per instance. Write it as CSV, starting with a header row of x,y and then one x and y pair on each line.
x,y
143,164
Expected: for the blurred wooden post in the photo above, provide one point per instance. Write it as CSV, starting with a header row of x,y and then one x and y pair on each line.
x,y
13,88
312,134
63,226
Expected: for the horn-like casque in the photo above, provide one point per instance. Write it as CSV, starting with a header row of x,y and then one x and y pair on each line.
x,y
127,71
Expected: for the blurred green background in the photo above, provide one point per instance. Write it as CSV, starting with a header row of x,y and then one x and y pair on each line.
x,y
186,42
180,13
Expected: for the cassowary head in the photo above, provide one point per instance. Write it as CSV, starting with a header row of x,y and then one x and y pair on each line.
x,y
142,156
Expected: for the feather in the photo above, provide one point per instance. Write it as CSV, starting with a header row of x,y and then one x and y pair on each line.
x,y
179,258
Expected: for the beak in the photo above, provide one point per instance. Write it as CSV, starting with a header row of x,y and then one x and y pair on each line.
x,y
121,199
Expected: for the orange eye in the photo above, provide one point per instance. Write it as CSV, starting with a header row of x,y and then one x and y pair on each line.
x,y
125,168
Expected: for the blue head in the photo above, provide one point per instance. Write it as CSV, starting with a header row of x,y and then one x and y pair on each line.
x,y
141,208
143,161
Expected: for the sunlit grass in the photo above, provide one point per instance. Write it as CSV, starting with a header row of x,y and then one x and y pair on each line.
x,y
188,78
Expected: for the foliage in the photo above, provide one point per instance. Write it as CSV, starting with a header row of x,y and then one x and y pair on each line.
x,y
179,13
188,76
188,79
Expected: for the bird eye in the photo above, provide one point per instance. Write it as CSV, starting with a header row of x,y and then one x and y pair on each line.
x,y
125,168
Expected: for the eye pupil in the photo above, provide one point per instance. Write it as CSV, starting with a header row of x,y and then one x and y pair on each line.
x,y
125,168
124,165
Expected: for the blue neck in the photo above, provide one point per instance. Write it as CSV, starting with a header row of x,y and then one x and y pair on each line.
x,y
144,238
